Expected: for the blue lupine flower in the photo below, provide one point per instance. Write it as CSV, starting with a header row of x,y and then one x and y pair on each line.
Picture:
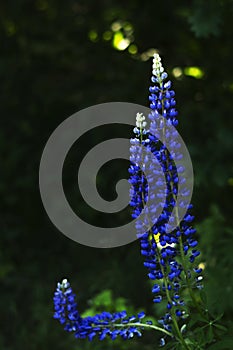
x,y
101,325
65,306
163,251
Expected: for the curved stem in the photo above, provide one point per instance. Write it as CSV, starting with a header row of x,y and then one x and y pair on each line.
x,y
144,325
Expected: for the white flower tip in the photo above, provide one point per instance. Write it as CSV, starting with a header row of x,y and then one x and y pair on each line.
x,y
157,65
64,283
156,57
140,121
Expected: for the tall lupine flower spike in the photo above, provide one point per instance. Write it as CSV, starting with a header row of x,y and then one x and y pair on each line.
x,y
165,253
163,103
102,325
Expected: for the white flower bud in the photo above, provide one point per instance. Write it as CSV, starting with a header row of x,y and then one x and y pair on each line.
x,y
157,66
140,121
64,283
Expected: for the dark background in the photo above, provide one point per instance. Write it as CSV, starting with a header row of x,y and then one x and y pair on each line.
x,y
58,57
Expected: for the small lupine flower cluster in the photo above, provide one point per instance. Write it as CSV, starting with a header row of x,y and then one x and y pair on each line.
x,y
164,252
105,324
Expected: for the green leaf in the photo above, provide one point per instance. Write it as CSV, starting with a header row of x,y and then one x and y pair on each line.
x,y
209,335
217,318
219,326
204,25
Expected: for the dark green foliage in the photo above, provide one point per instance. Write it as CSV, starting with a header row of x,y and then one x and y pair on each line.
x,y
58,57
206,17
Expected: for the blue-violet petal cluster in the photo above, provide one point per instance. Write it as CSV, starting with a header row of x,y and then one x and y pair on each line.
x,y
166,253
105,324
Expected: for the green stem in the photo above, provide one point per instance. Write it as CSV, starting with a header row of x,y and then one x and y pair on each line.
x,y
174,320
144,325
